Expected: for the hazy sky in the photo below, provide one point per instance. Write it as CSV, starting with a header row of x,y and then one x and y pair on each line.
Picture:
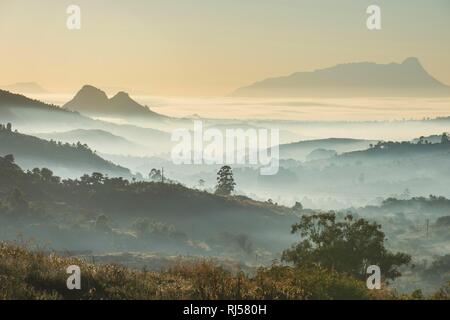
x,y
210,47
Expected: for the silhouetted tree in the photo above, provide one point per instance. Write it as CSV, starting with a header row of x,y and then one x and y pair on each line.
x,y
155,175
298,207
225,181
444,139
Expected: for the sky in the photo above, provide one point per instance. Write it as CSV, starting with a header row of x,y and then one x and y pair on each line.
x,y
208,47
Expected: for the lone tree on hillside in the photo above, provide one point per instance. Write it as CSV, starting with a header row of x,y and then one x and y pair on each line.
x,y
155,175
225,181
444,138
348,246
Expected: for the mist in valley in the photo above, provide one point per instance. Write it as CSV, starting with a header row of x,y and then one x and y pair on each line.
x,y
114,194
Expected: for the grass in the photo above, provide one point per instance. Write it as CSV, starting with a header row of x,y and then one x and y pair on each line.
x,y
26,274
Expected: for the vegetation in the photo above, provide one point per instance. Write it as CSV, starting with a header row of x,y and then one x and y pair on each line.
x,y
329,262
36,275
29,274
347,246
30,151
225,181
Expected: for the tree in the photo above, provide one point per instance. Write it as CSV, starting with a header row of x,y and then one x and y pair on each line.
x,y
348,246
9,127
225,181
9,158
201,183
155,175
97,178
46,174
444,138
298,207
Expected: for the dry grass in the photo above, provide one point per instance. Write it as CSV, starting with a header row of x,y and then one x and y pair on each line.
x,y
28,274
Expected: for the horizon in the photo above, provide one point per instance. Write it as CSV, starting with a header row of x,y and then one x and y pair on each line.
x,y
165,49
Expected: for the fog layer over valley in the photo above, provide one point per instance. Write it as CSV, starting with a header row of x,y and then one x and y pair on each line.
x,y
88,178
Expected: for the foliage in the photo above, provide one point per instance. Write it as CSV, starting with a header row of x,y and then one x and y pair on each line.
x,y
28,274
225,181
348,246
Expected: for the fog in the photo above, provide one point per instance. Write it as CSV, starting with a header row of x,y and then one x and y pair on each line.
x,y
331,157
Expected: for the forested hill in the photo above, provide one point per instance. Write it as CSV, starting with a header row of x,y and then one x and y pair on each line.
x,y
65,159
399,150
199,214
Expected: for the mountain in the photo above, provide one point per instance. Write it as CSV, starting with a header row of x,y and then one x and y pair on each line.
x,y
405,150
30,115
100,140
300,150
67,160
94,102
18,108
222,222
408,78
25,88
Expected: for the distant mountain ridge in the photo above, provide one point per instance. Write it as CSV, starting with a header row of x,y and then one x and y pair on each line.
x,y
31,115
94,102
99,140
31,152
301,149
408,78
25,88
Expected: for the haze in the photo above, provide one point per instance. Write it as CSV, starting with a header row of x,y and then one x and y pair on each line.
x,y
209,48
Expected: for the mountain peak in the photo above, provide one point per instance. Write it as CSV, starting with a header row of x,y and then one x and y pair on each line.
x,y
93,101
121,96
91,91
412,61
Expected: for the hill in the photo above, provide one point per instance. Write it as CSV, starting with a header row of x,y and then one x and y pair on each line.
x,y
300,150
399,151
70,160
31,115
35,275
94,102
25,88
141,215
408,78
99,140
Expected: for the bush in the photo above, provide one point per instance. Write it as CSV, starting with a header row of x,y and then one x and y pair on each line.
x,y
28,274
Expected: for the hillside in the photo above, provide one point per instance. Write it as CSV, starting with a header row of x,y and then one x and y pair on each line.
x,y
300,150
25,87
36,275
99,140
407,79
400,150
70,159
31,116
11,101
102,214
94,102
